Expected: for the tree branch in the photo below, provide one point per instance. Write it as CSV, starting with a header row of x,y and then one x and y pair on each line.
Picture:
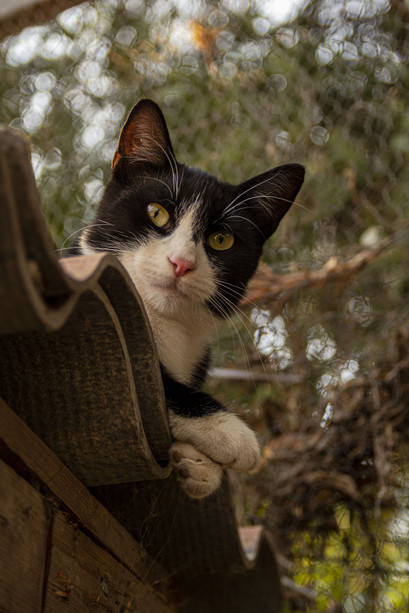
x,y
268,286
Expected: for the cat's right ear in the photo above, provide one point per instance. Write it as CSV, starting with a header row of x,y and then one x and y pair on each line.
x,y
144,138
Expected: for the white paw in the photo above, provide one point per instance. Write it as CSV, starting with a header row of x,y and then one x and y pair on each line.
x,y
196,473
221,436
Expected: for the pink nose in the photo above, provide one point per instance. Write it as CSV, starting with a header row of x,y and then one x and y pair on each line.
x,y
181,265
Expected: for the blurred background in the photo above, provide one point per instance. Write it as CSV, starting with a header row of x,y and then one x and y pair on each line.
x,y
317,358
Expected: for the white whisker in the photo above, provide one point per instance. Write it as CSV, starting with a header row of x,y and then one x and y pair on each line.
x,y
94,225
174,167
158,180
239,292
250,222
253,187
233,327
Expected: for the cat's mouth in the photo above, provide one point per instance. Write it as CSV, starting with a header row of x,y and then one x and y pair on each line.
x,y
170,288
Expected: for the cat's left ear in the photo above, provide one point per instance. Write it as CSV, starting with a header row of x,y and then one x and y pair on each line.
x,y
144,137
267,197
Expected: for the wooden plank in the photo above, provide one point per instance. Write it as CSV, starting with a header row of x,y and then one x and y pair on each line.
x,y
22,442
84,577
23,540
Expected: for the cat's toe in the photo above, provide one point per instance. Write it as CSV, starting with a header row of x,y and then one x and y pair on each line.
x,y
222,437
247,451
197,474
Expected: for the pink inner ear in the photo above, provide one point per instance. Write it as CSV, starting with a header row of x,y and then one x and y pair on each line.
x,y
115,159
144,137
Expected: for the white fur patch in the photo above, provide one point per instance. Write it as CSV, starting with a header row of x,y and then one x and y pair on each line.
x,y
181,324
221,436
86,249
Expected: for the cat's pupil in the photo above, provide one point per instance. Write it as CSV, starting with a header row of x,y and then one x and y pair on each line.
x,y
221,241
158,214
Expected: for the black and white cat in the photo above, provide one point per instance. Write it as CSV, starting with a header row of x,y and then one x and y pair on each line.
x,y
190,243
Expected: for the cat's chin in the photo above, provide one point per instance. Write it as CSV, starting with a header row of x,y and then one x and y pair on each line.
x,y
165,299
169,289
169,293
173,305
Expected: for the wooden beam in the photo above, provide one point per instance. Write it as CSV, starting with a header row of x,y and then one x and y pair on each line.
x,y
23,539
18,441
49,565
84,577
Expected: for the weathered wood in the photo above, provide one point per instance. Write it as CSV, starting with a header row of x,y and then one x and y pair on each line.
x,y
23,540
84,577
18,441
42,550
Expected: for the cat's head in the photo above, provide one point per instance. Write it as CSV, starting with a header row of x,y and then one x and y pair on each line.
x,y
187,239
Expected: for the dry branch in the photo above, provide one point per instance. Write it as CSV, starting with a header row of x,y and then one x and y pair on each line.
x,y
268,286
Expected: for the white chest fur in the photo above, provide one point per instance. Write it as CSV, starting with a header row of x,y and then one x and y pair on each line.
x,y
181,344
181,323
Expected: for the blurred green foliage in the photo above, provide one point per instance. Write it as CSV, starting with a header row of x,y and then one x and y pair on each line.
x,y
244,89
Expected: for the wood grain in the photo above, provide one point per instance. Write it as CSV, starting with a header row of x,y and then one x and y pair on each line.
x,y
84,577
45,465
23,538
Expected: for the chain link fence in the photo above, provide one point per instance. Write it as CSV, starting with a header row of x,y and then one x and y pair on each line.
x,y
317,358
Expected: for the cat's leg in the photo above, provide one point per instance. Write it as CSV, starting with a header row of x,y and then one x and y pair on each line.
x,y
197,474
221,436
201,421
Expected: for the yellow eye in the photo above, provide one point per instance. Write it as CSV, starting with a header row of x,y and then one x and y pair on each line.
x,y
158,214
221,241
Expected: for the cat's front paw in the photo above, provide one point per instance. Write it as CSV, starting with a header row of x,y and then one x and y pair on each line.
x,y
221,436
197,474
